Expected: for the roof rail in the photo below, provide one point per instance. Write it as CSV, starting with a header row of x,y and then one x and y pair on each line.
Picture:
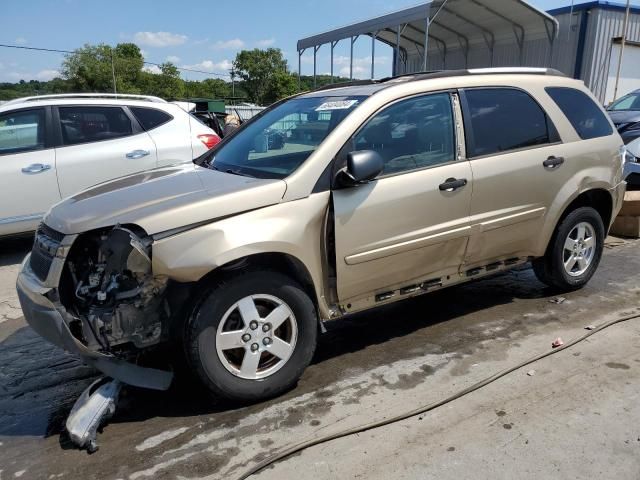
x,y
522,70
63,96
409,77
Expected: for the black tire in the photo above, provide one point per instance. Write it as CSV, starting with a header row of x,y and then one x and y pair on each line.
x,y
200,336
550,268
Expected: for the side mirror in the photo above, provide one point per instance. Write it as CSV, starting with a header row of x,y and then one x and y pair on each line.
x,y
363,166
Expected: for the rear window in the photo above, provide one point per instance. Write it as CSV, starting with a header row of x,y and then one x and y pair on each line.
x,y
588,120
150,118
504,119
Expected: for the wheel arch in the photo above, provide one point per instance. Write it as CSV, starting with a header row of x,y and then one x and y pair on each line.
x,y
599,199
281,262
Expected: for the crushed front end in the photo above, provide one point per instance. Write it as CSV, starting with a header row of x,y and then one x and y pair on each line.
x,y
95,295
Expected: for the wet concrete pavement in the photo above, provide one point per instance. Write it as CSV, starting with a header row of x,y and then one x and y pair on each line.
x,y
367,367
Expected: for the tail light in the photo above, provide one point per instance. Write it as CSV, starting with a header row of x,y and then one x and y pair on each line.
x,y
209,140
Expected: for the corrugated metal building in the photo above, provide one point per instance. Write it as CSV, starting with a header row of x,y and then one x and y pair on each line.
x,y
588,46
583,42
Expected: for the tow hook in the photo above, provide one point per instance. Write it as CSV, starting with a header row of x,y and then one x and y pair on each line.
x,y
96,405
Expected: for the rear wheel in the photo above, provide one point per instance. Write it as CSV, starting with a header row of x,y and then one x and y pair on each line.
x,y
574,252
252,336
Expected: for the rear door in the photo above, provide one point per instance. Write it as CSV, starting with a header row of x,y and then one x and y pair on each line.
x,y
404,227
518,167
28,183
98,143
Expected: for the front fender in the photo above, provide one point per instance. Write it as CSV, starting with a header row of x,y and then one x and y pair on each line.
x,y
294,228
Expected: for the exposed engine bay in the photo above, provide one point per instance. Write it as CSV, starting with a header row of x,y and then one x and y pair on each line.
x,y
107,284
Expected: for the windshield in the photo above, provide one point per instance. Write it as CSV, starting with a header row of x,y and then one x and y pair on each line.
x,y
277,143
628,102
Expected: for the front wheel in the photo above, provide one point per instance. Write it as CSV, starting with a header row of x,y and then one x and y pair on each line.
x,y
574,252
251,337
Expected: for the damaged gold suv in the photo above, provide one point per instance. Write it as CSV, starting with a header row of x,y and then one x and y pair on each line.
x,y
327,203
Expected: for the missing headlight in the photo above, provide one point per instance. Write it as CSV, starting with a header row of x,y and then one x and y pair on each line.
x,y
110,287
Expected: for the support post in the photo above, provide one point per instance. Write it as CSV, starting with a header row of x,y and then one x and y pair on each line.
x,y
315,56
333,45
623,41
300,52
233,82
397,63
353,40
427,23
373,54
113,73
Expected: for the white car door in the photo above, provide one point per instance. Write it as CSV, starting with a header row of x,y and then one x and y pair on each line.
x,y
28,184
99,143
170,131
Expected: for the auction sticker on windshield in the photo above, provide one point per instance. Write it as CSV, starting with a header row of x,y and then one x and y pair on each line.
x,y
336,105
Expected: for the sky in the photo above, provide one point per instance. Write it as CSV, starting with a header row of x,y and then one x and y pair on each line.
x,y
197,34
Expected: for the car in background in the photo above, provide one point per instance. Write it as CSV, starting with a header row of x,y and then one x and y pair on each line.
x,y
625,114
54,146
632,165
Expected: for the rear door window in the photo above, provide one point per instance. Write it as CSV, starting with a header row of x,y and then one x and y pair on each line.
x,y
503,119
22,131
150,118
93,124
588,120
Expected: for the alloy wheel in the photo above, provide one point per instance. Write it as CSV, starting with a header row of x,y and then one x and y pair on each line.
x,y
579,249
256,336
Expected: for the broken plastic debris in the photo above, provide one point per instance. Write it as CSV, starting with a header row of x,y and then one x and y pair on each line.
x,y
531,373
589,327
558,300
557,343
94,407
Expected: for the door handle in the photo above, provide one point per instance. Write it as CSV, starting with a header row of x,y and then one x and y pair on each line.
x,y
137,154
452,184
553,162
36,168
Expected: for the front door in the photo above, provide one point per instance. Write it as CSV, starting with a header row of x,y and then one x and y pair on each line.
x,y
28,183
100,143
413,221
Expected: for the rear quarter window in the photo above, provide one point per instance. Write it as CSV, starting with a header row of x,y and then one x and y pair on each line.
x,y
588,120
150,118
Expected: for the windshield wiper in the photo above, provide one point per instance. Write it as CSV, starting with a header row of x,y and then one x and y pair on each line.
x,y
238,172
231,171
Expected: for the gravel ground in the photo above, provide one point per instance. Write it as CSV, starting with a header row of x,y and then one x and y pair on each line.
x,y
575,417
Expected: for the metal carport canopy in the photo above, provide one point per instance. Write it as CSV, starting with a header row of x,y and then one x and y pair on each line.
x,y
443,25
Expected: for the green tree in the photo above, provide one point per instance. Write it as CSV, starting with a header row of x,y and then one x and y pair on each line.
x,y
282,84
261,72
167,84
90,68
208,88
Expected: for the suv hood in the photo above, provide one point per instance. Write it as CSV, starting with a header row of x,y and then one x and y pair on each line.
x,y
163,199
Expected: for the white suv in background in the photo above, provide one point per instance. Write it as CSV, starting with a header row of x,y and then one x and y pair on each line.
x,y
53,146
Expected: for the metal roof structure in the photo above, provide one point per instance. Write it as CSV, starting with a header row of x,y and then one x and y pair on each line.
x,y
454,34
